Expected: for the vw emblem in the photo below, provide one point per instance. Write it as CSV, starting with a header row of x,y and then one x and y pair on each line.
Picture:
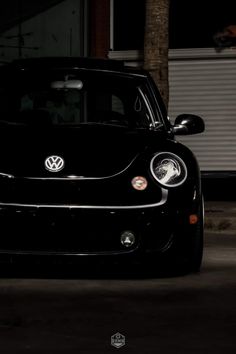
x,y
54,163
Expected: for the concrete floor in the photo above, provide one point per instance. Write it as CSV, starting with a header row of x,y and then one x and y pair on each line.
x,y
185,314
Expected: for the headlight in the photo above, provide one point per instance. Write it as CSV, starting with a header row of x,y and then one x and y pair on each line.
x,y
168,169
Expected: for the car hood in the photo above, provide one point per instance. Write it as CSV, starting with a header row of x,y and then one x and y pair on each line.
x,y
88,151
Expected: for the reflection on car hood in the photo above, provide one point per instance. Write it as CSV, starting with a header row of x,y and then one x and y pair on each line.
x,y
89,151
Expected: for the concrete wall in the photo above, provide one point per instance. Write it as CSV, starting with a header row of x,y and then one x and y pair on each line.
x,y
55,32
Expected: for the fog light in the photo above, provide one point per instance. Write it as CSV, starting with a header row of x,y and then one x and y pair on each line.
x,y
139,183
127,238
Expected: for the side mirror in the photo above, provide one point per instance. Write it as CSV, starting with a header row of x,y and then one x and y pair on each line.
x,y
186,124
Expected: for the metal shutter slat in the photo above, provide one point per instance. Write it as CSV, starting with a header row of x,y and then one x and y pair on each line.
x,y
206,87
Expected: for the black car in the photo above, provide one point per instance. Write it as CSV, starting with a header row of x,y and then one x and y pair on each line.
x,y
90,168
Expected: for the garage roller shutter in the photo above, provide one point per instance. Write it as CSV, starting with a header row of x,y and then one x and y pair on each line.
x,y
207,87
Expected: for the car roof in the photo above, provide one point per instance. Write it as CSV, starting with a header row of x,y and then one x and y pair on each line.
x,y
108,65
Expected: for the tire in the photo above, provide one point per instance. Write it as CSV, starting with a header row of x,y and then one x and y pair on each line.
x,y
185,257
195,246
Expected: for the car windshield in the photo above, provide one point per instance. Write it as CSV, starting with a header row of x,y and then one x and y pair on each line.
x,y
73,98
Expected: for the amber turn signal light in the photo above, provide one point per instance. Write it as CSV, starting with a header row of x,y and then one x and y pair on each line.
x,y
193,219
139,183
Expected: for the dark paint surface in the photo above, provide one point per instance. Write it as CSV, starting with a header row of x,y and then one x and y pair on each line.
x,y
84,208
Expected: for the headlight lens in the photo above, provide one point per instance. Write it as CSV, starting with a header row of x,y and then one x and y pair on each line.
x,y
168,169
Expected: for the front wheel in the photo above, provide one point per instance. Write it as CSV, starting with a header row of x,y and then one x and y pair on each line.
x,y
195,244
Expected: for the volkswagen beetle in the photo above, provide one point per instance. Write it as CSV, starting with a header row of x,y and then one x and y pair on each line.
x,y
90,166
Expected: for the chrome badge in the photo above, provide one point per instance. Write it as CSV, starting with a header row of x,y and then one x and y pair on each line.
x,y
54,163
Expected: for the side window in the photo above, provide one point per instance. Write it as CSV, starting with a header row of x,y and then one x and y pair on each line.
x,y
105,106
117,105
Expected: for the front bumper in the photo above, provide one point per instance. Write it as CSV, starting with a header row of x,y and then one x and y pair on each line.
x,y
87,232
